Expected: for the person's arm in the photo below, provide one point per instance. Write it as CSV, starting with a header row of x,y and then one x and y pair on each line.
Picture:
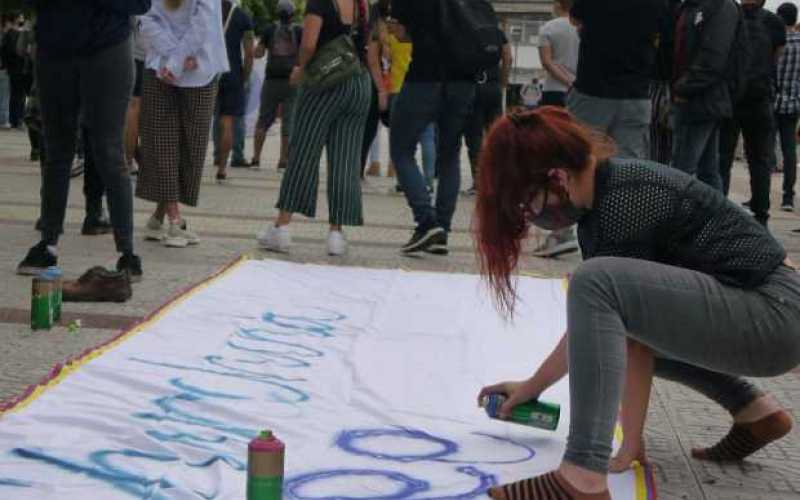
x,y
374,64
554,368
248,47
506,62
711,60
312,25
125,7
555,70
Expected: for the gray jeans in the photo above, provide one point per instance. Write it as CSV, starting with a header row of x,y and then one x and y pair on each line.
x,y
627,121
100,87
705,334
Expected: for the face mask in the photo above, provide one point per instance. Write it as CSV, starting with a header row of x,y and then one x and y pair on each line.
x,y
555,217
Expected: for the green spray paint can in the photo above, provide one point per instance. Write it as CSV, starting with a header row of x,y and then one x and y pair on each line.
x,y
42,303
57,276
533,413
265,458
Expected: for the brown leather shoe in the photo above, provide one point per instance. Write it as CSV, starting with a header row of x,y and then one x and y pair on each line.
x,y
98,285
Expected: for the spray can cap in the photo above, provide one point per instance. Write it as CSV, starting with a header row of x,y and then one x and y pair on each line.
x,y
265,435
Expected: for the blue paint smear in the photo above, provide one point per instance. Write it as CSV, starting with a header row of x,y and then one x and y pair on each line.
x,y
408,485
346,440
14,483
529,452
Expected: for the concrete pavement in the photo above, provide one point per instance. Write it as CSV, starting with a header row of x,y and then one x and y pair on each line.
x,y
227,220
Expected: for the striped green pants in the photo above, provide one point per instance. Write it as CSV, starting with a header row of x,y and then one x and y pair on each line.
x,y
333,119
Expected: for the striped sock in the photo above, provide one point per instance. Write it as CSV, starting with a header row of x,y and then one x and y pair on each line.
x,y
549,486
745,439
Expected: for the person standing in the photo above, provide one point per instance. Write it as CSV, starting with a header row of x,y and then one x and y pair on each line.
x,y
84,63
435,90
701,96
18,71
753,114
185,54
332,118
558,49
487,107
611,91
231,98
787,102
5,82
281,41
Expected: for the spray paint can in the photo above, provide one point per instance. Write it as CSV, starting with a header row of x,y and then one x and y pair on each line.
x,y
57,276
265,456
42,303
533,413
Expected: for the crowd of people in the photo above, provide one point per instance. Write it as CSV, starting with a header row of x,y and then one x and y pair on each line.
x,y
624,152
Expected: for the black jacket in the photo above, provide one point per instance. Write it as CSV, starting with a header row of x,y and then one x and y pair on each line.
x,y
73,28
709,34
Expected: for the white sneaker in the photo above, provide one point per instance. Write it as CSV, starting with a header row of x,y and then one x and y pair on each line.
x,y
557,243
275,239
179,236
154,230
337,245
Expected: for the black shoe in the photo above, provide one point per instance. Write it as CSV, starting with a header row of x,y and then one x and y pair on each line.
x,y
422,239
38,260
240,163
438,245
96,227
746,204
35,155
132,265
39,225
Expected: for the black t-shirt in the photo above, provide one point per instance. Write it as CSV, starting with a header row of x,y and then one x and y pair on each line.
x,y
419,17
493,74
332,25
240,24
766,33
647,211
618,46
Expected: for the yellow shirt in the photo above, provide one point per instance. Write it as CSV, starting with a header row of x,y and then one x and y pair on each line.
x,y
401,60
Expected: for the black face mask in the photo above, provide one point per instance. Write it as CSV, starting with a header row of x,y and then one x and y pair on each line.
x,y
555,217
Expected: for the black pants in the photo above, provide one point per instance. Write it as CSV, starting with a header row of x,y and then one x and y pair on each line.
x,y
487,107
100,86
20,86
554,98
755,122
371,128
787,130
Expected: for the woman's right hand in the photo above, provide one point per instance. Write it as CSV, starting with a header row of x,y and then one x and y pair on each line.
x,y
516,393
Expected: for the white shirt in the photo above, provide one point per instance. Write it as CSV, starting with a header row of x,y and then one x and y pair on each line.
x,y
193,29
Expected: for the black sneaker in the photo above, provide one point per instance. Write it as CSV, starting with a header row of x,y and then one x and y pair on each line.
x,y
132,265
422,239
240,163
38,260
438,245
96,227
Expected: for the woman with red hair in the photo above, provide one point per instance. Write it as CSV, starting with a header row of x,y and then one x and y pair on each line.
x,y
677,280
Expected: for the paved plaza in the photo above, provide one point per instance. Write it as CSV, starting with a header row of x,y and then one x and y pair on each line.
x,y
227,220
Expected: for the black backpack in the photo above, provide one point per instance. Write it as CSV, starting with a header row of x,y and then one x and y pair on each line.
x,y
470,34
284,48
740,61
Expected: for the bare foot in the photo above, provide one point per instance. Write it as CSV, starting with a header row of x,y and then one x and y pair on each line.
x,y
625,459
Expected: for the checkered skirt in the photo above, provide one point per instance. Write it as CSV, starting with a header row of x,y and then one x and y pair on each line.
x,y
174,130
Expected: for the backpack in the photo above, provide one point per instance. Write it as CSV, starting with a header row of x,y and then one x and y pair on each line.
x,y
284,48
470,35
740,61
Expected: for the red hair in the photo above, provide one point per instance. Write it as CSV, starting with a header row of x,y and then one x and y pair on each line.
x,y
518,154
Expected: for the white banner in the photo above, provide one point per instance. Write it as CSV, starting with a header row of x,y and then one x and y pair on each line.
x,y
370,377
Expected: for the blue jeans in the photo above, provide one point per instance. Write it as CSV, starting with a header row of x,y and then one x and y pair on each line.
x,y
428,143
695,147
417,105
5,96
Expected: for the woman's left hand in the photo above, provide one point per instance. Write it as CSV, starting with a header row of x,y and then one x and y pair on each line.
x,y
166,76
296,76
190,64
